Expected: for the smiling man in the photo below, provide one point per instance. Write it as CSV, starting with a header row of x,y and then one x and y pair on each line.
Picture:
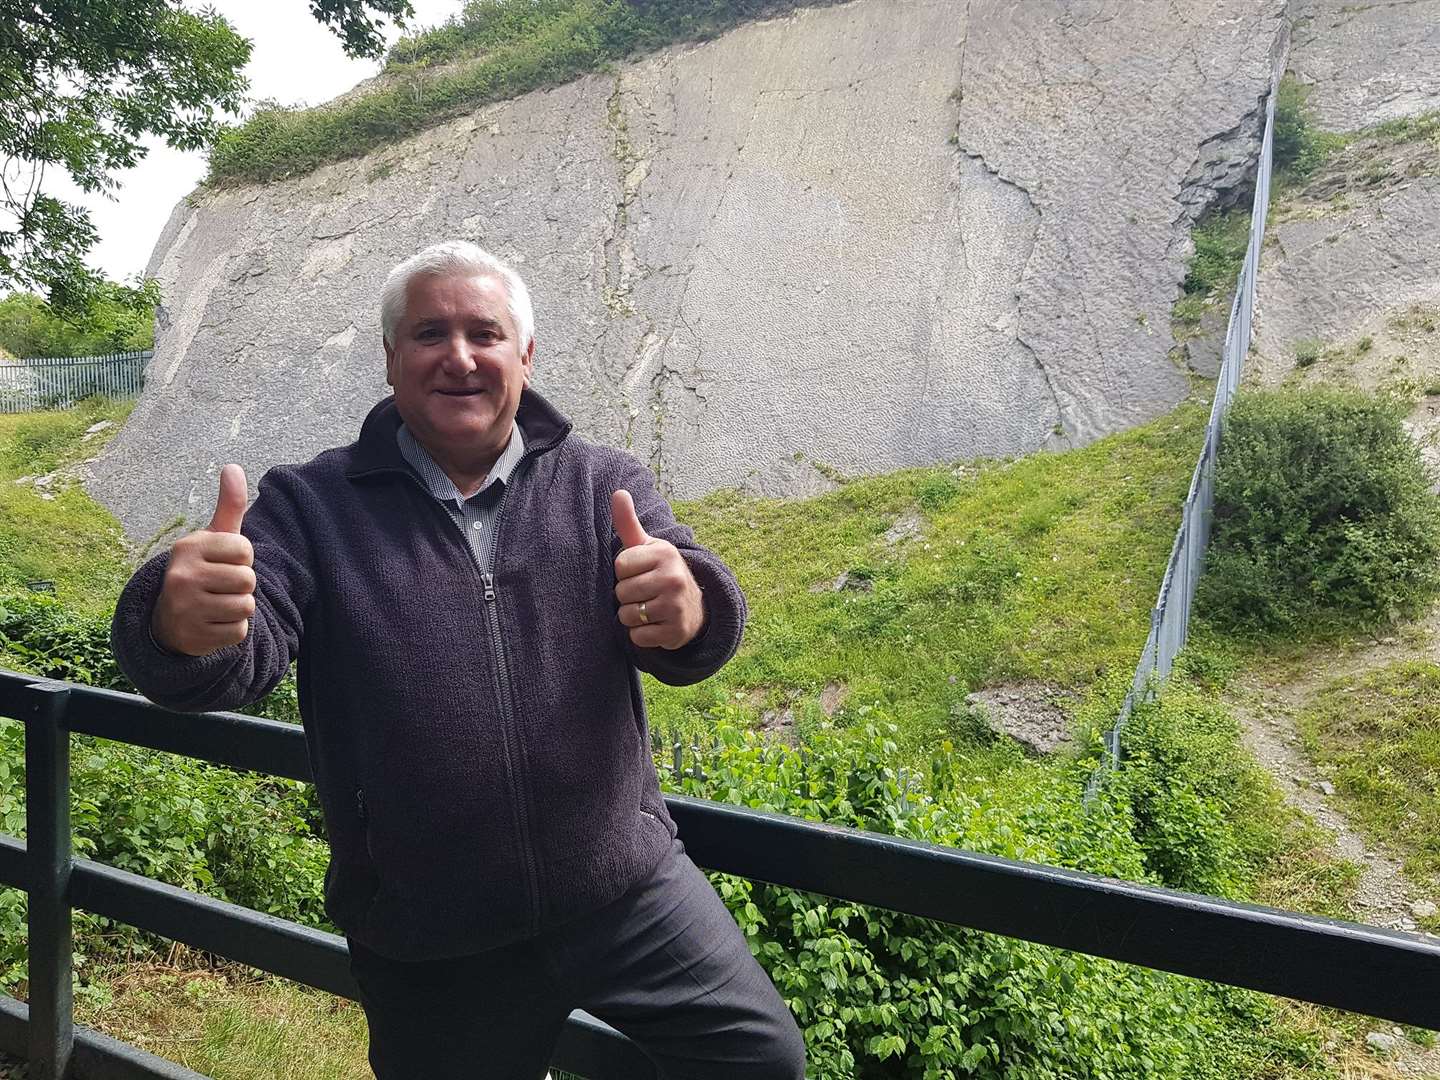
x,y
471,592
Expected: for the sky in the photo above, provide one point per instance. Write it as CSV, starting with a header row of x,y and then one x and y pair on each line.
x,y
295,61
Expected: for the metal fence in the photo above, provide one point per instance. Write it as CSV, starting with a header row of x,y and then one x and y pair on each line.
x,y
1363,968
1170,617
29,385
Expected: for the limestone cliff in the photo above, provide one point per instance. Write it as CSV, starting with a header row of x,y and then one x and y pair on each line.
x,y
859,237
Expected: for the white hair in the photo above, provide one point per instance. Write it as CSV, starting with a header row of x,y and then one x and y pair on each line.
x,y
455,258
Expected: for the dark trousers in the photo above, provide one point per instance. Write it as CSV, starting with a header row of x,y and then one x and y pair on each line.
x,y
665,964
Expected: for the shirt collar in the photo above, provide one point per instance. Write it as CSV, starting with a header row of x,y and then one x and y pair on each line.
x,y
440,485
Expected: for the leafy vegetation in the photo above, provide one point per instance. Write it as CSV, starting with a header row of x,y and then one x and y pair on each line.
x,y
1323,515
1300,149
236,836
1221,240
1206,816
495,49
112,318
885,995
1379,737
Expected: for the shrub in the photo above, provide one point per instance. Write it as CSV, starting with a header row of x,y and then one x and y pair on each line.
x,y
1221,241
44,637
1323,515
1205,814
879,994
250,839
1307,352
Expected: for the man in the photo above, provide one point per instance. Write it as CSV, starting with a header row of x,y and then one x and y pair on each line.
x,y
471,593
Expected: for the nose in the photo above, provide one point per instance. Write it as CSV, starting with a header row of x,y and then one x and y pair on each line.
x,y
458,360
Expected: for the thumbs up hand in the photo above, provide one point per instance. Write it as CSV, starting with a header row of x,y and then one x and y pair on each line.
x,y
659,599
209,591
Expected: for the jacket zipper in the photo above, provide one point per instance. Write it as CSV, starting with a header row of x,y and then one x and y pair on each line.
x,y
507,700
502,682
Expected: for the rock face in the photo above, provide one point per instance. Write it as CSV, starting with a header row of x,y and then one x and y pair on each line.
x,y
1368,60
1349,278
838,240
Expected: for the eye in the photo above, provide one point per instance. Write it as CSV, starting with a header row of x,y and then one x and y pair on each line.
x,y
427,333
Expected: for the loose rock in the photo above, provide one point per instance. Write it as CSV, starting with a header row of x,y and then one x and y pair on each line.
x,y
1382,1042
1029,713
907,526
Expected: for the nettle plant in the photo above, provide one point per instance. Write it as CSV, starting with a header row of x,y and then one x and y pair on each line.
x,y
880,994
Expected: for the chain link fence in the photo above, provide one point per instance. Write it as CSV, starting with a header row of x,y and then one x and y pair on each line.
x,y
1170,617
30,385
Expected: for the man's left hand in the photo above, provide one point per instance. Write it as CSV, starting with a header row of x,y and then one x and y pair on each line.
x,y
659,600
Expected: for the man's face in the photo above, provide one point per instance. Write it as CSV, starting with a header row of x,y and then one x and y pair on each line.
x,y
456,365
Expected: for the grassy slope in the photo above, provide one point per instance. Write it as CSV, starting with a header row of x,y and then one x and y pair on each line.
x,y
1380,735
1043,568
70,539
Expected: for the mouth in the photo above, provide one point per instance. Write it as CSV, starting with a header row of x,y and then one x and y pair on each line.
x,y
471,392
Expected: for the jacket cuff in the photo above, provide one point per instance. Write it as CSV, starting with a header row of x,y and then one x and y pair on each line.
x,y
718,638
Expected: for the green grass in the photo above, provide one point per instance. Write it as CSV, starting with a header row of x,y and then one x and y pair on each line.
x,y
1302,149
69,539
227,1025
496,49
1042,568
1381,738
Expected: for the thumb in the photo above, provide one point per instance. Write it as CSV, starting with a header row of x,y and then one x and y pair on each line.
x,y
230,506
627,524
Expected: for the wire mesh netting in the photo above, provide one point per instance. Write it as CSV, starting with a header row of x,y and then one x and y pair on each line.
x,y
1170,617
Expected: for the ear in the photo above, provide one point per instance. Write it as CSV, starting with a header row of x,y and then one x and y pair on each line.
x,y
392,363
527,362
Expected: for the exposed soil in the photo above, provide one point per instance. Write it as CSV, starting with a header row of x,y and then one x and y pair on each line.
x,y
1267,701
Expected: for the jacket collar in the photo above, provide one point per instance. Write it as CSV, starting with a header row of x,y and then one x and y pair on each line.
x,y
376,450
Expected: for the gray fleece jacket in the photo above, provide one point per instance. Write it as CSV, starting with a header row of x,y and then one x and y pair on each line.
x,y
476,728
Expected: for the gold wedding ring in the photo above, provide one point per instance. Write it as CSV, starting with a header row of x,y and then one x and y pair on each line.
x,y
644,618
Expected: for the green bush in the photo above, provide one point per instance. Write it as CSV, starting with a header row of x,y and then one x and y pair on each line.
x,y
43,637
115,318
239,837
879,994
250,839
1221,241
1323,515
1205,814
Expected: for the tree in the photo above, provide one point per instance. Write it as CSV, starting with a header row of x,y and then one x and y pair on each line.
x,y
114,318
83,81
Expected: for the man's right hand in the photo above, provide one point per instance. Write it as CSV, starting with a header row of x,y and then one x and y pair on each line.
x,y
209,591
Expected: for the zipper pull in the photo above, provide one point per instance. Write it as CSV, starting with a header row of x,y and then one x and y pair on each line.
x,y
489,580
360,802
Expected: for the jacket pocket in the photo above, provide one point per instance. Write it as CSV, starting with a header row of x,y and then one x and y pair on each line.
x,y
364,823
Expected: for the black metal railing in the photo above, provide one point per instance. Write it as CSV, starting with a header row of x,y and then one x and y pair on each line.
x,y
1361,968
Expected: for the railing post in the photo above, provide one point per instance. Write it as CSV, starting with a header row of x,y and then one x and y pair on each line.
x,y
48,850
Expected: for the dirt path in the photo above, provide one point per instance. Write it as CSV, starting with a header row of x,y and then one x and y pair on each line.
x,y
1267,701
